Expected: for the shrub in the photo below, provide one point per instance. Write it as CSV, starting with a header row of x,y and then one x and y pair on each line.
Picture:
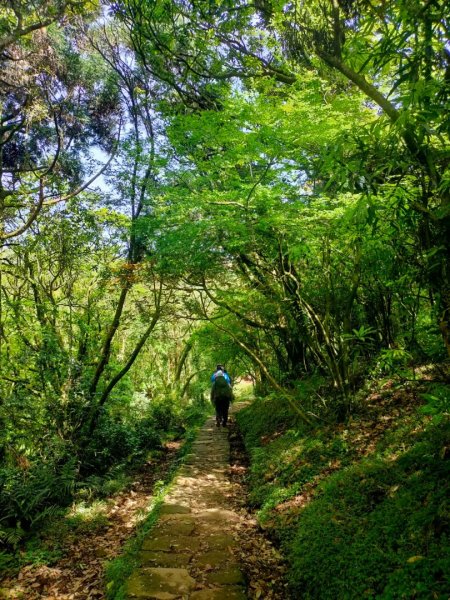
x,y
378,529
115,443
166,415
147,436
375,526
30,496
110,443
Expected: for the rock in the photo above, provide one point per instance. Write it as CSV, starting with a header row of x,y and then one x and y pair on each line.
x,y
180,526
174,509
213,558
228,593
170,543
217,515
219,541
159,583
227,576
164,559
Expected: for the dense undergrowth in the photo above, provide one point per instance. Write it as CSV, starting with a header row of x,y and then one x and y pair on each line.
x,y
360,509
62,490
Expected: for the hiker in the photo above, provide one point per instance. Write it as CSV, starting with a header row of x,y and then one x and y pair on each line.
x,y
221,395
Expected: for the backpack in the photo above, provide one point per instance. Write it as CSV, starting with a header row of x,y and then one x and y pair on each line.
x,y
221,388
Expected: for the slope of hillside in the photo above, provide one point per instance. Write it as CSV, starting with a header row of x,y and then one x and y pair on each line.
x,y
360,509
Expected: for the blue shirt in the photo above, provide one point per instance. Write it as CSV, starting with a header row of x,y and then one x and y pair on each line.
x,y
227,377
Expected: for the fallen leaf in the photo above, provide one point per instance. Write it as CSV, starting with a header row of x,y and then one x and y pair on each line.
x,y
413,559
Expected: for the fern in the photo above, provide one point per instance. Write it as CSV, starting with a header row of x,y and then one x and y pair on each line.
x,y
12,536
49,512
34,495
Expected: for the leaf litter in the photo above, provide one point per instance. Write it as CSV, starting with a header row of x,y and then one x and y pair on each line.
x,y
263,565
79,573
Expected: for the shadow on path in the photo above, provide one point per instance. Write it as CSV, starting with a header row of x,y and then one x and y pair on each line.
x,y
191,552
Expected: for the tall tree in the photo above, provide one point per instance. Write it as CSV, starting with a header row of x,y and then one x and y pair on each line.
x,y
395,54
56,103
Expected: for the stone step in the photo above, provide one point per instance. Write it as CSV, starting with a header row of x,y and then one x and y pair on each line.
x,y
189,554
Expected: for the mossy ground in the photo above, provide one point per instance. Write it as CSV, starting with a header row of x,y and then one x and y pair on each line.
x,y
360,509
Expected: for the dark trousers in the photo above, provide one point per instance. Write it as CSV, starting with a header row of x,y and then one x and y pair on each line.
x,y
222,405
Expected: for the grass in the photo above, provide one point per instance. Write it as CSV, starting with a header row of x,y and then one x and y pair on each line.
x,y
360,509
119,569
85,518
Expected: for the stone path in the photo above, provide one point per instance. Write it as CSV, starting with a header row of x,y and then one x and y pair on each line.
x,y
190,553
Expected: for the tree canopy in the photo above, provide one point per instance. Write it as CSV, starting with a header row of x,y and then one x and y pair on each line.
x,y
184,183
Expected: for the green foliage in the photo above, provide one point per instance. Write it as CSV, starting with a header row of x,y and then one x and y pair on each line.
x,y
437,400
285,455
166,414
114,443
354,524
85,518
378,529
6,560
194,414
36,553
102,486
278,205
392,359
31,495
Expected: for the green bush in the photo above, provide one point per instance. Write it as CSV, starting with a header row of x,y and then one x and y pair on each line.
x,y
174,417
376,526
146,436
30,496
378,529
166,415
195,413
285,455
437,401
267,416
115,443
109,444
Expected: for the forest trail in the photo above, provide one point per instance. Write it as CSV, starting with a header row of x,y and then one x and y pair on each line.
x,y
189,554
193,551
